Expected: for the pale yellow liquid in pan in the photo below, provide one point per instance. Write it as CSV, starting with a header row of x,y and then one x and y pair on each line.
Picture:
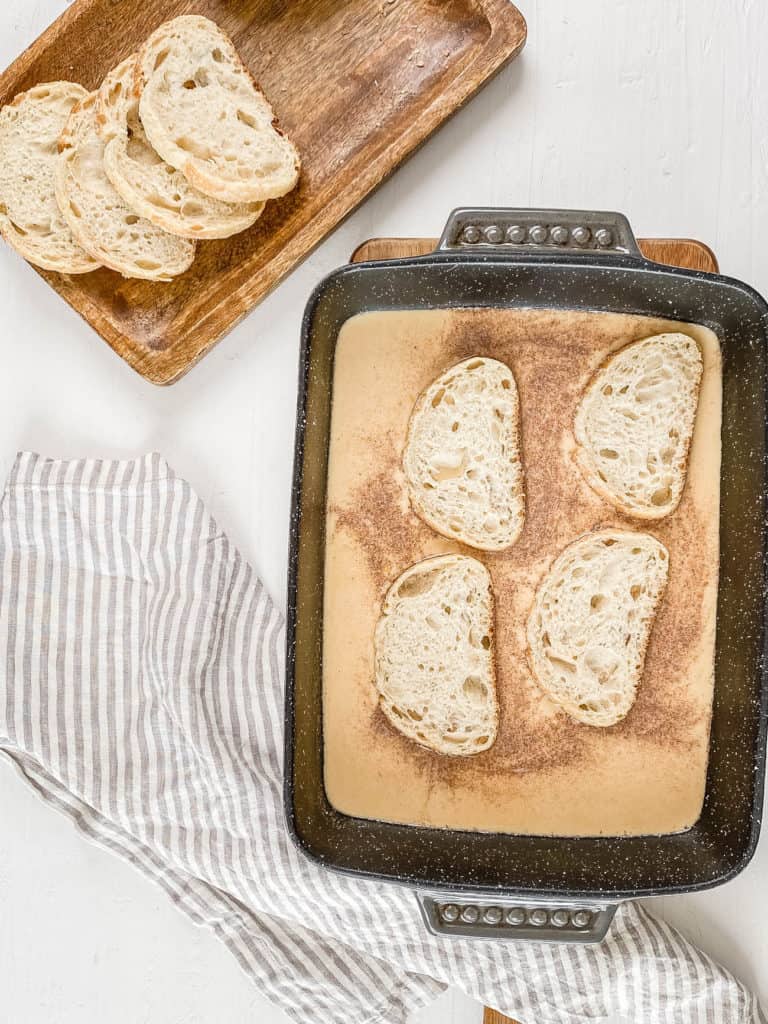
x,y
545,774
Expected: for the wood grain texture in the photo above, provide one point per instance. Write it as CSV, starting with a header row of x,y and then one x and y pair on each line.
x,y
494,1017
357,85
675,252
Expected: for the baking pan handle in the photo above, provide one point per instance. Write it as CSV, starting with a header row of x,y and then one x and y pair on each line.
x,y
519,919
548,232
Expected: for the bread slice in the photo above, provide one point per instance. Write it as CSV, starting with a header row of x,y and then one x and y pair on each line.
x,y
30,219
151,187
99,219
462,458
591,621
634,425
205,115
434,661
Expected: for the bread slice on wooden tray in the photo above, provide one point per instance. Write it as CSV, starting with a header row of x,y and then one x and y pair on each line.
x,y
591,621
462,459
434,660
204,114
99,218
30,219
634,425
150,186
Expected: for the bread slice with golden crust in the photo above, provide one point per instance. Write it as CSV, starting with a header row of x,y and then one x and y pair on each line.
x,y
30,218
98,217
150,186
205,115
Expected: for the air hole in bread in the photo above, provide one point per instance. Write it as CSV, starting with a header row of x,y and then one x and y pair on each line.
x,y
661,496
506,384
454,427
18,229
148,264
217,55
191,209
420,583
131,218
608,453
247,119
201,151
597,602
609,542
486,642
564,666
190,84
635,591
607,390
412,713
160,58
475,365
475,689
75,209
438,397
201,78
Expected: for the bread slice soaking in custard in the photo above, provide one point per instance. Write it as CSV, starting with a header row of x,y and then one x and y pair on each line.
x,y
462,459
591,622
434,663
635,422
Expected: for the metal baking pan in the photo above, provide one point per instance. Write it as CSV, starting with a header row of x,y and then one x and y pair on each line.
x,y
497,885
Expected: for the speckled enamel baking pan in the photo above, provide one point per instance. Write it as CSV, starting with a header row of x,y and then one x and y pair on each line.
x,y
497,885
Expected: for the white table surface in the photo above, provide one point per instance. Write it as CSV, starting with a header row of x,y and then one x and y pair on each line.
x,y
659,109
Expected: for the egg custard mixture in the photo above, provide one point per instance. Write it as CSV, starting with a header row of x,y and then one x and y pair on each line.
x,y
546,773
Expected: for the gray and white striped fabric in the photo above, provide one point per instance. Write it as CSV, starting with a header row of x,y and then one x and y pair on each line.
x,y
142,697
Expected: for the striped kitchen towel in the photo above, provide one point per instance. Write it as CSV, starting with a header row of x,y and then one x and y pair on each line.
x,y
142,697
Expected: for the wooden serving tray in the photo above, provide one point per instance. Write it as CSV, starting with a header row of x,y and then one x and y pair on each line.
x,y
675,252
357,84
